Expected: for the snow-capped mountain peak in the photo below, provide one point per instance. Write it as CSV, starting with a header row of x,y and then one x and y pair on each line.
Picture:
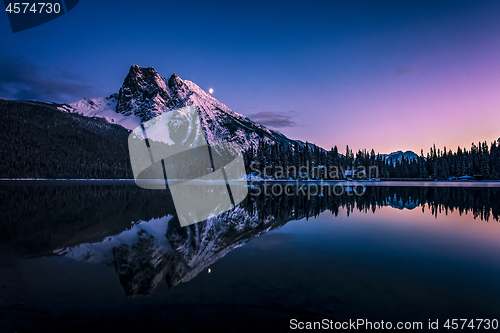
x,y
145,95
399,155
174,81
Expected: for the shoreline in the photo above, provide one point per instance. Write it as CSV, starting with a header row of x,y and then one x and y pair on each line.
x,y
409,183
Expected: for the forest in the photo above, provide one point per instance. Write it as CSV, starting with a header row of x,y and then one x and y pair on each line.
x,y
41,142
481,161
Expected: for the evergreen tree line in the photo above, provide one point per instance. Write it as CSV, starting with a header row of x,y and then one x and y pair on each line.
x,y
281,161
39,141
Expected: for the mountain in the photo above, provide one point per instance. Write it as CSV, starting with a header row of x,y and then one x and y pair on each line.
x,y
49,140
145,94
398,156
400,204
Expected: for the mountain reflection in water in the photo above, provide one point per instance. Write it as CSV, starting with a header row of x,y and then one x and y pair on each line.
x,y
136,232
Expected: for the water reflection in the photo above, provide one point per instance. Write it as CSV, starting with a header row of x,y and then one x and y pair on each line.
x,y
137,232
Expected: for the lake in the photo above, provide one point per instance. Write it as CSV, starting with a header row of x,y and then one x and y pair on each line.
x,y
113,257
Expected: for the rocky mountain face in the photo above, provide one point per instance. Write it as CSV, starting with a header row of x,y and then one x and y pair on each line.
x,y
398,156
145,94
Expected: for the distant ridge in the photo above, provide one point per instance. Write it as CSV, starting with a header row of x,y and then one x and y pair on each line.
x,y
398,156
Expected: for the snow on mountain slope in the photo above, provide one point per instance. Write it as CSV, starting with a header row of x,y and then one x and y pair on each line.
x,y
103,251
398,156
103,107
145,95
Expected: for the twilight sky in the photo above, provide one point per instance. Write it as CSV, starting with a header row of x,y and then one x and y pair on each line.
x,y
388,75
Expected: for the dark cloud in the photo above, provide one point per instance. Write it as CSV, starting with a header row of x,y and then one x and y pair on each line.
x,y
405,71
273,119
24,80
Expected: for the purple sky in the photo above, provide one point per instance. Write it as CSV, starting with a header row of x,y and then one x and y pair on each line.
x,y
388,75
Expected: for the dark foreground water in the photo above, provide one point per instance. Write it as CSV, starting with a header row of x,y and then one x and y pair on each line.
x,y
106,258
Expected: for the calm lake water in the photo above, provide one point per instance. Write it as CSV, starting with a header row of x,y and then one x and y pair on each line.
x,y
114,258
